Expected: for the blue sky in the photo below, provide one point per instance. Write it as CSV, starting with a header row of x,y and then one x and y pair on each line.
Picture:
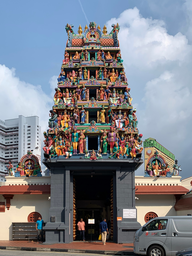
x,y
155,39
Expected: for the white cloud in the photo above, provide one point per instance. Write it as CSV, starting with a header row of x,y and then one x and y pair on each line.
x,y
21,98
188,10
146,43
159,67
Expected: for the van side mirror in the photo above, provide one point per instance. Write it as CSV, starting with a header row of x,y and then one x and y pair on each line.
x,y
144,228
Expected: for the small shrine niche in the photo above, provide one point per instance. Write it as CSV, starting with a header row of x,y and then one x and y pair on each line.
x,y
28,166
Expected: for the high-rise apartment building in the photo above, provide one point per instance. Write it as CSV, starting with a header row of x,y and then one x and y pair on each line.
x,y
17,136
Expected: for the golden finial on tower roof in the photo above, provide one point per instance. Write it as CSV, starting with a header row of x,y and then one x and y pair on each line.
x,y
80,31
85,28
99,27
104,30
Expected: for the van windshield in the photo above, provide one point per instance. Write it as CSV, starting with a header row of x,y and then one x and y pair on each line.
x,y
157,224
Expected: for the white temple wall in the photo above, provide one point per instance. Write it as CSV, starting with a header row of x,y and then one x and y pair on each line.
x,y
162,205
21,207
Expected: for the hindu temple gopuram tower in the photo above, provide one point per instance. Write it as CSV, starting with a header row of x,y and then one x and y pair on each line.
x,y
93,145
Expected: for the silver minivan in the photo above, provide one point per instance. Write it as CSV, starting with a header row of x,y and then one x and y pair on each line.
x,y
164,236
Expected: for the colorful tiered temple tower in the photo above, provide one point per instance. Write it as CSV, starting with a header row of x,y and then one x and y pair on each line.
x,y
92,133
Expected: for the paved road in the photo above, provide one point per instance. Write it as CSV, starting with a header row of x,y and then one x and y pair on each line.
x,y
37,253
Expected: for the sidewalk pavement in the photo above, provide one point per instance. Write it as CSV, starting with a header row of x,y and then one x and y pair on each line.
x,y
74,247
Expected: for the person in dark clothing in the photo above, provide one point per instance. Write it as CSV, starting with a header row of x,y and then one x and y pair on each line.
x,y
103,230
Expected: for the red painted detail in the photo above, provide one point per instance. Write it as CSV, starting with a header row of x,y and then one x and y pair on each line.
x,y
33,216
2,207
25,189
8,198
160,190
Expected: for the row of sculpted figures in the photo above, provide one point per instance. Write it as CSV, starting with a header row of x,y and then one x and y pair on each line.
x,y
117,119
74,76
85,55
114,97
73,142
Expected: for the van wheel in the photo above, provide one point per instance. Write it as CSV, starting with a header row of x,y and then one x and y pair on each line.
x,y
155,250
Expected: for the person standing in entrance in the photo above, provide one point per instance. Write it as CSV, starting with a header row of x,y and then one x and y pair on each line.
x,y
39,228
81,228
103,230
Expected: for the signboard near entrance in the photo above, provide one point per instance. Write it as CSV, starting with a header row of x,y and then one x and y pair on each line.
x,y
91,221
129,213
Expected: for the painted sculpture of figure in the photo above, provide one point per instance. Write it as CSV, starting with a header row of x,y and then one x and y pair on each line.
x,y
113,76
83,93
105,73
126,120
135,122
80,73
149,170
83,115
81,142
86,55
66,60
93,155
76,115
53,119
108,56
127,96
118,55
133,152
10,168
76,56
99,55
65,120
57,96
101,93
85,74
58,149
82,55
75,139
109,115
119,121
176,169
104,142
156,168
66,95
52,152
122,75
20,169
73,76
138,143
107,92
102,115
100,74
122,144
61,76
116,150
128,147
131,118
112,138
99,154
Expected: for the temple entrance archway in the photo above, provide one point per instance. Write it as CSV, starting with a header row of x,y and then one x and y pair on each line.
x,y
93,199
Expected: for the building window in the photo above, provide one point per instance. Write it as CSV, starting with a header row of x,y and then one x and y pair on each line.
x,y
149,216
33,216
